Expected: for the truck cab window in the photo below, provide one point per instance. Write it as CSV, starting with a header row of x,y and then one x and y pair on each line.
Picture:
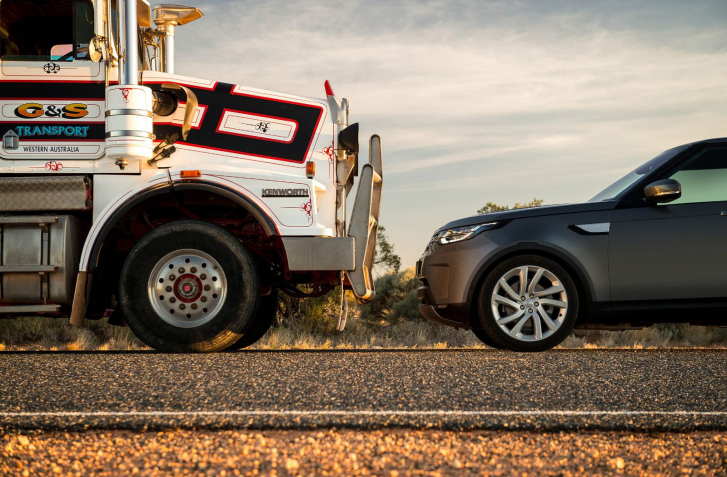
x,y
57,30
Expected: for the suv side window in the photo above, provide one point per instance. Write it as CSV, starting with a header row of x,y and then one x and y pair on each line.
x,y
57,30
703,177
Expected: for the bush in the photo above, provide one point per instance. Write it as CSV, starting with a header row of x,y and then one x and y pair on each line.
x,y
396,298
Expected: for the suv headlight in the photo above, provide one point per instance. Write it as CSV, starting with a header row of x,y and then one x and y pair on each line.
x,y
459,234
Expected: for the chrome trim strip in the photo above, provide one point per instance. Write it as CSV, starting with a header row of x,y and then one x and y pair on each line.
x,y
129,112
143,134
601,228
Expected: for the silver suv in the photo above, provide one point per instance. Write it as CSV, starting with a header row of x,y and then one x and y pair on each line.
x,y
648,249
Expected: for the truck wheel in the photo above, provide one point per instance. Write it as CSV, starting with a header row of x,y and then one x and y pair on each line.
x,y
266,313
528,303
189,286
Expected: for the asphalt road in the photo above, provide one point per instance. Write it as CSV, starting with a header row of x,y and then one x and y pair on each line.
x,y
561,389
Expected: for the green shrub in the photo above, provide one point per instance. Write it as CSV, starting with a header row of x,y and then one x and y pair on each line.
x,y
396,298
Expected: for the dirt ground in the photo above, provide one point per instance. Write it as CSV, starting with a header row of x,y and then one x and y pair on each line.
x,y
352,452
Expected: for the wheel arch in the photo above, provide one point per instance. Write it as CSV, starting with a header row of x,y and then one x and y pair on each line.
x,y
571,264
90,262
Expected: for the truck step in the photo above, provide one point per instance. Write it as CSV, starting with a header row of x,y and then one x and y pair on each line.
x,y
29,219
44,192
19,309
27,268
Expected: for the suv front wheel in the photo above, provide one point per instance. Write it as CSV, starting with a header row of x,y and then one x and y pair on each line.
x,y
528,303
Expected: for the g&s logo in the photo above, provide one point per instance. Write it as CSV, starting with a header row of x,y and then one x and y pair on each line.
x,y
37,110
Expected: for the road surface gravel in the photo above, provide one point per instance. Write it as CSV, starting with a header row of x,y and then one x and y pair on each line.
x,y
457,390
389,413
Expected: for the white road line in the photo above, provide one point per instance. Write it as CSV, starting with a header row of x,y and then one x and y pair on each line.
x,y
365,413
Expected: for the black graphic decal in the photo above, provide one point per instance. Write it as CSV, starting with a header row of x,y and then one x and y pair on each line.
x,y
221,98
51,68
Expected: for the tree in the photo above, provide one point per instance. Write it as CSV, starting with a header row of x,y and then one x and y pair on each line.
x,y
384,257
492,207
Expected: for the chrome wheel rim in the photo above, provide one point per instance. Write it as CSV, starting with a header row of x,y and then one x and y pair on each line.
x,y
187,288
529,303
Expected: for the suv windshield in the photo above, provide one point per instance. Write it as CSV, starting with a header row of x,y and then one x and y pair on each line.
x,y
614,190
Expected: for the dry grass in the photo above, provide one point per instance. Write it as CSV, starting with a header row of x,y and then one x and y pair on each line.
x,y
657,336
51,334
361,335
38,334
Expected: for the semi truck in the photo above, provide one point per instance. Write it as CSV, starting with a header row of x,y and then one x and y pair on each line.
x,y
176,205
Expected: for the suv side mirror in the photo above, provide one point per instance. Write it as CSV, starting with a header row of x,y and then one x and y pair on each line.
x,y
661,192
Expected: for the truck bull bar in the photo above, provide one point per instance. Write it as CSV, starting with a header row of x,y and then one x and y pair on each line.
x,y
365,223
354,253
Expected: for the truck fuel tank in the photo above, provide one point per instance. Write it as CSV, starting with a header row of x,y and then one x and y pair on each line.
x,y
39,259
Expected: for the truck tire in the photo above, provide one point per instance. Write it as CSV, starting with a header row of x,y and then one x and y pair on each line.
x,y
266,313
189,286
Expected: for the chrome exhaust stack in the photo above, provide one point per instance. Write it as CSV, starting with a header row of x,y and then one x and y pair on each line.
x,y
129,125
129,74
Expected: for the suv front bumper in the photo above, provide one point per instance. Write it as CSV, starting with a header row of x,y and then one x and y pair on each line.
x,y
448,274
431,312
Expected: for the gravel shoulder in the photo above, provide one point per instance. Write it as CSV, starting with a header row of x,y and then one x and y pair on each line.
x,y
349,452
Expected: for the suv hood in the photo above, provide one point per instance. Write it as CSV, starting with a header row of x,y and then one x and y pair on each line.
x,y
541,211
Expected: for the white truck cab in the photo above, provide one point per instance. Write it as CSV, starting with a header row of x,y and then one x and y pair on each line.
x,y
179,205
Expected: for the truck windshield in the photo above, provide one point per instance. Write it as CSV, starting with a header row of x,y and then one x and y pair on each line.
x,y
617,188
56,30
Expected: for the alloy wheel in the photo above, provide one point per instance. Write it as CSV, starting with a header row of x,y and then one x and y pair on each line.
x,y
529,303
187,288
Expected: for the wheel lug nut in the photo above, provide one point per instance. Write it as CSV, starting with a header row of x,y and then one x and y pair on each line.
x,y
193,269
530,310
169,289
203,276
181,269
537,304
206,288
194,306
204,299
522,298
182,306
522,307
172,300
172,277
532,296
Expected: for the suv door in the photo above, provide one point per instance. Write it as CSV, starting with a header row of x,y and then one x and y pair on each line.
x,y
674,251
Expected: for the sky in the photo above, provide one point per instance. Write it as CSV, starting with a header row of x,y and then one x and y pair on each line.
x,y
480,100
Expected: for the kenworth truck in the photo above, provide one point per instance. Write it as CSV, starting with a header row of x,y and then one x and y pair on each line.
x,y
177,205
